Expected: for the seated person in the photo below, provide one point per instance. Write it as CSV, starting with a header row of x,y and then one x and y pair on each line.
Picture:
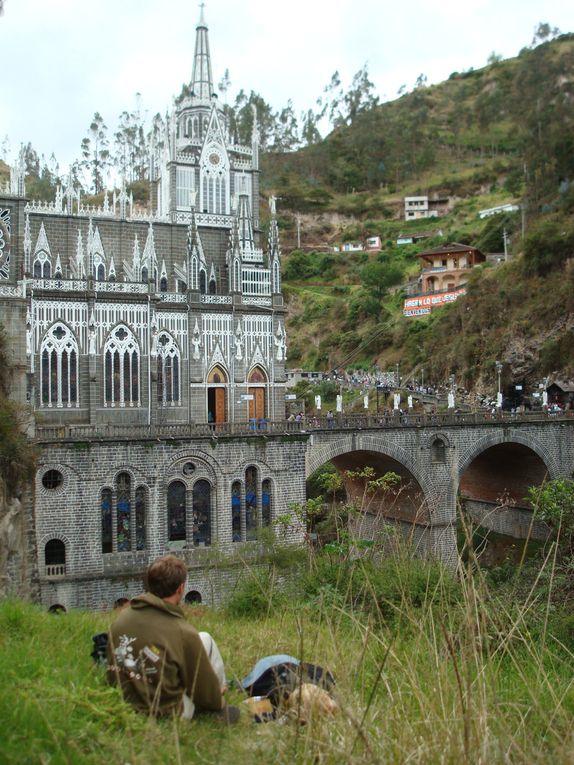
x,y
162,664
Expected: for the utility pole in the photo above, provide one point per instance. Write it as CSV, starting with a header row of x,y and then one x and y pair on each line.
x,y
298,220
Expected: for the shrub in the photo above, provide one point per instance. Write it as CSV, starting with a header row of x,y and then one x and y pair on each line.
x,y
547,246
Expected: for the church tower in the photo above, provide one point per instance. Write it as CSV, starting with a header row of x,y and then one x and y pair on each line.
x,y
194,160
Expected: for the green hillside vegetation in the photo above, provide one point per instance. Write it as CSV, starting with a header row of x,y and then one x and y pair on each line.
x,y
497,135
429,668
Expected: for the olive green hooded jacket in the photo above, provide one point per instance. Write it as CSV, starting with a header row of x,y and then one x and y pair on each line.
x,y
155,656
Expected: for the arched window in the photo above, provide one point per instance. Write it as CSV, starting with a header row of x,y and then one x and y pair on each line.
x,y
42,268
55,557
266,503
106,513
141,518
99,271
123,507
212,287
202,281
201,513
163,284
59,368
236,511
168,371
144,276
251,503
121,378
176,511
438,450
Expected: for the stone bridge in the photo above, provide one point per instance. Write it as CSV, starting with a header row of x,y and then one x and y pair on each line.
x,y
489,460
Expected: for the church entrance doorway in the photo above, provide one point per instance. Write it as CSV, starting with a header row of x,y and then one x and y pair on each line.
x,y
257,385
216,396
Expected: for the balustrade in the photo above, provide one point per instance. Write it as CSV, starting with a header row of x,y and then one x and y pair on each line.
x,y
265,427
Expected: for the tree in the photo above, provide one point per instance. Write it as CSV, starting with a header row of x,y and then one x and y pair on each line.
x,y
553,502
377,277
309,132
360,97
544,32
243,119
130,158
286,136
96,153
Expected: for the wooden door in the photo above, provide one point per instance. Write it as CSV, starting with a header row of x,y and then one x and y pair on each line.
x,y
219,405
257,406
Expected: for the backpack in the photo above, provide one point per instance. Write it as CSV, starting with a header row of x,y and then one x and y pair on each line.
x,y
275,677
99,649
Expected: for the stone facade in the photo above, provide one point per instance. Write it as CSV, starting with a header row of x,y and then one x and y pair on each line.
x,y
136,321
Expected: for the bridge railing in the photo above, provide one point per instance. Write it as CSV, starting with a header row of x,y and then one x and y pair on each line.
x,y
257,428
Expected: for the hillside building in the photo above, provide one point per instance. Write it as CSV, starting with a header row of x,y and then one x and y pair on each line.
x,y
140,341
444,273
425,207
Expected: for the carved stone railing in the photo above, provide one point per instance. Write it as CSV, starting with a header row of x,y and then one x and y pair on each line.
x,y
258,300
309,424
172,297
130,287
6,291
217,299
205,219
55,570
65,285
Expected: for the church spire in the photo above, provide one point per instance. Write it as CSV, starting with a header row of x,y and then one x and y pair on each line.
x,y
201,78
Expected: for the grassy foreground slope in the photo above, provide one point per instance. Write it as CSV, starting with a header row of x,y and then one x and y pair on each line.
x,y
429,669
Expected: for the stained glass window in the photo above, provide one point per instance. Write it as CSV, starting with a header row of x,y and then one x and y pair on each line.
x,y
59,367
266,502
123,486
121,374
140,517
106,510
168,365
202,513
176,511
236,511
251,503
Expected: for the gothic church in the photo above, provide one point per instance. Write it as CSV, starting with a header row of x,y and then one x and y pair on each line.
x,y
150,351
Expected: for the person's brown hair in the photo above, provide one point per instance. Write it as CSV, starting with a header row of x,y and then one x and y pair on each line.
x,y
164,576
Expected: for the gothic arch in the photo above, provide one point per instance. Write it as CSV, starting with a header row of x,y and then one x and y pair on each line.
x,y
122,368
59,367
168,370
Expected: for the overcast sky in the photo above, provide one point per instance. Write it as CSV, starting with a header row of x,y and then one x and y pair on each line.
x,y
62,60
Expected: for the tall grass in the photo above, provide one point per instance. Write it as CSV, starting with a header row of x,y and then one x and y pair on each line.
x,y
430,669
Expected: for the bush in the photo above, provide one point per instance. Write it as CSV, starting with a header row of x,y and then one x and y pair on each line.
x,y
256,594
548,246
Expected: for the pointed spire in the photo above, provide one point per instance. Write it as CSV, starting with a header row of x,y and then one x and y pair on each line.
x,y
201,78
149,256
58,267
244,222
273,238
112,269
27,244
136,257
80,264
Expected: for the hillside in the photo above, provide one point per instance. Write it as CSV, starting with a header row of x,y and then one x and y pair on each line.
x,y
483,138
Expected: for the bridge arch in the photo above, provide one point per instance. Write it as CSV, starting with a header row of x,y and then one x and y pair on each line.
x,y
496,438
413,499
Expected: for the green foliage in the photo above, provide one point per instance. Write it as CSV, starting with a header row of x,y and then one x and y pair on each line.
x,y
256,594
547,245
491,238
553,502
